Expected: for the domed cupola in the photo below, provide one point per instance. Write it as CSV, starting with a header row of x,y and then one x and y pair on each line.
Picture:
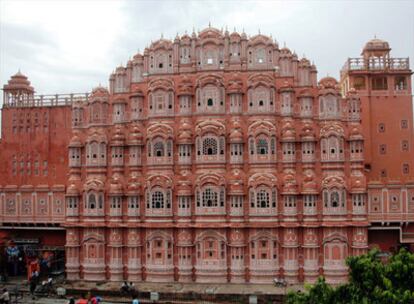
x,y
18,90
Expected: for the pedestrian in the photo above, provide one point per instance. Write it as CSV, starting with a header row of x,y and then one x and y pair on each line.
x,y
5,297
94,299
71,301
135,299
33,282
83,300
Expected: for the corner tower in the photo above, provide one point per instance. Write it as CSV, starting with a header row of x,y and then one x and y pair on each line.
x,y
384,86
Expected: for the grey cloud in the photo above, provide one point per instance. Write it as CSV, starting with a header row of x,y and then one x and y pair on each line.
x,y
327,32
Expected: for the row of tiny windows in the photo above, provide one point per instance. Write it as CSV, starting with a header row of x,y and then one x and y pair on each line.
x,y
215,197
29,167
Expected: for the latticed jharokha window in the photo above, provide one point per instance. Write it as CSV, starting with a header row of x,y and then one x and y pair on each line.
x,y
209,146
262,200
262,146
210,197
334,198
159,149
157,200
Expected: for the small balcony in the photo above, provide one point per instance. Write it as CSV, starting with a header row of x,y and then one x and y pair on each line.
x,y
210,158
263,211
160,160
265,158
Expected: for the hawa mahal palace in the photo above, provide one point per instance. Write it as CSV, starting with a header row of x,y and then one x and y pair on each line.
x,y
215,157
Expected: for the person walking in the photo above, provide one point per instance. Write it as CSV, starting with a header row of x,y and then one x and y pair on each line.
x,y
5,297
33,282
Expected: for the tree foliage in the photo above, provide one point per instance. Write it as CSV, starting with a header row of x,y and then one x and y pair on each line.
x,y
370,281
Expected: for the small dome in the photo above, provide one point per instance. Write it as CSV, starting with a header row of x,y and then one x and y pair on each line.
x,y
18,82
236,187
115,187
285,51
75,141
377,44
236,136
328,82
120,70
72,190
184,137
133,185
99,91
356,134
118,137
210,32
135,136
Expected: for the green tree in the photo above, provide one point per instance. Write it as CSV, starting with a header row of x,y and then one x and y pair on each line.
x,y
371,281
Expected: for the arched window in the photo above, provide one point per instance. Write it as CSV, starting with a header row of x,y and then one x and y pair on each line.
x,y
262,198
329,107
210,98
158,201
210,196
334,198
332,148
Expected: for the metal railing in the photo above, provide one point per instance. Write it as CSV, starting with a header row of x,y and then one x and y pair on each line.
x,y
46,100
376,64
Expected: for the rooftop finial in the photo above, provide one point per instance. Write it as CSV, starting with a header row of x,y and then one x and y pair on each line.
x,y
259,31
162,36
284,44
209,24
375,36
234,30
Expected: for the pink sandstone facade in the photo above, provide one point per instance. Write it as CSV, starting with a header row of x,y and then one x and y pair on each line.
x,y
215,158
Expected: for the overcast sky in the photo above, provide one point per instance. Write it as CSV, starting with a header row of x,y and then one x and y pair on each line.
x,y
72,46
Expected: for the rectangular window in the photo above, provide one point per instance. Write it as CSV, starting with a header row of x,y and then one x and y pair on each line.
x,y
359,83
381,128
383,149
379,83
406,169
404,124
400,83
383,173
404,145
